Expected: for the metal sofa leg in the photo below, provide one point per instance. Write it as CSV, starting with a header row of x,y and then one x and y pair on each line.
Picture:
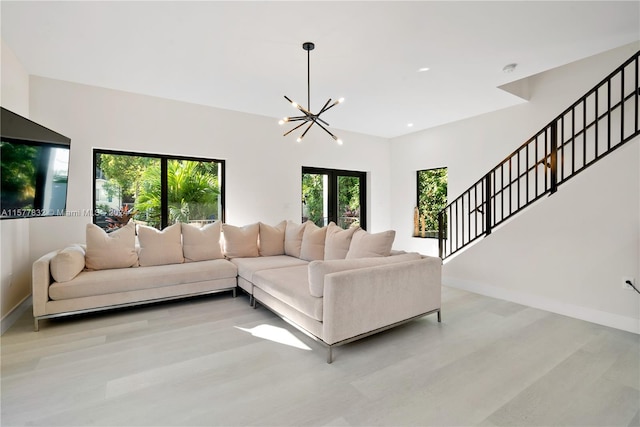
x,y
36,327
233,291
329,355
439,317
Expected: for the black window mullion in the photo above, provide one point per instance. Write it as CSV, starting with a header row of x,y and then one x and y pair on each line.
x,y
164,193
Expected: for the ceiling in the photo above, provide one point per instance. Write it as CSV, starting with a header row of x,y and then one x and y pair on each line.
x,y
245,56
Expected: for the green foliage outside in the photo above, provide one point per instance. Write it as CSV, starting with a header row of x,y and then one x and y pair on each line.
x,y
348,199
432,195
313,198
193,187
124,173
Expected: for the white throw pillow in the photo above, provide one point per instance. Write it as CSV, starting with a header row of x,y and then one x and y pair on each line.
x,y
272,239
337,242
366,245
67,263
160,247
201,243
312,248
241,242
111,250
293,238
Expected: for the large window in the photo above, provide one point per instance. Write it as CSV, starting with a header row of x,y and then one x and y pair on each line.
x,y
334,195
432,198
156,190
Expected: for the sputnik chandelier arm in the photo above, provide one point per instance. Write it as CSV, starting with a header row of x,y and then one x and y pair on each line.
x,y
308,116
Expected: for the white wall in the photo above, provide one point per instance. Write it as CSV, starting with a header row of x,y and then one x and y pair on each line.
x,y
263,168
15,263
566,254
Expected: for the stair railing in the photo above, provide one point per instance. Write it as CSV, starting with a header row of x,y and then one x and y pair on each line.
x,y
601,121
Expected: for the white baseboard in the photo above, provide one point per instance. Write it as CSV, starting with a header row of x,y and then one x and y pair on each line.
x,y
616,321
9,319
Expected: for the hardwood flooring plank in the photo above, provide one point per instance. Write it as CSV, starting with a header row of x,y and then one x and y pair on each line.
x,y
200,362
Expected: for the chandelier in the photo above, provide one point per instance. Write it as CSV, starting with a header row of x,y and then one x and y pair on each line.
x,y
307,116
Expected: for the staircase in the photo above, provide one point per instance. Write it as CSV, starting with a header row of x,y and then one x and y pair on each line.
x,y
604,119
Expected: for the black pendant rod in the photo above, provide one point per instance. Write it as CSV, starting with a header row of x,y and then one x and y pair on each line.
x,y
308,46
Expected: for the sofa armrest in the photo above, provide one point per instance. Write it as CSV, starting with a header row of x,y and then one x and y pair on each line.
x,y
40,281
361,301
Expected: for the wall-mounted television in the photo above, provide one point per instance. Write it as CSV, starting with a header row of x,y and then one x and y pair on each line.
x,y
34,168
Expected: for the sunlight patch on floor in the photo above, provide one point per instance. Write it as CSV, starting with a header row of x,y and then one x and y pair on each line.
x,y
275,334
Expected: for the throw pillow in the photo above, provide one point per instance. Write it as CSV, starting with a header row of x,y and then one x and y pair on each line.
x,y
241,242
111,250
337,242
312,248
160,247
365,245
201,243
271,239
67,263
293,238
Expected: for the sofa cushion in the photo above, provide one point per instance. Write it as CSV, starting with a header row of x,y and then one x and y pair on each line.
x,y
319,269
241,241
201,243
94,283
160,247
247,267
67,263
365,245
337,242
293,238
291,286
312,247
111,250
271,239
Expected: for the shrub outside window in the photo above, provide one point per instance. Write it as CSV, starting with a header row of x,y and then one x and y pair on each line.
x,y
156,190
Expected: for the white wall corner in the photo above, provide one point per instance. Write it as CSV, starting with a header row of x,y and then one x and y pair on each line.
x,y
12,317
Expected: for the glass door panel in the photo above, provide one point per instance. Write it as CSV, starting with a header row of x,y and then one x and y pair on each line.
x,y
315,198
348,201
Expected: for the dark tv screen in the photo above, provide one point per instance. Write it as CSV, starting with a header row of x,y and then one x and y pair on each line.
x,y
34,169
33,179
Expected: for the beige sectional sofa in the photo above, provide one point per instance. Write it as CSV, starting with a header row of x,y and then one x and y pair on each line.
x,y
335,285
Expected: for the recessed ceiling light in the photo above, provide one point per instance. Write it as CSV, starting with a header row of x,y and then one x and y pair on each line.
x,y
410,124
509,68
420,70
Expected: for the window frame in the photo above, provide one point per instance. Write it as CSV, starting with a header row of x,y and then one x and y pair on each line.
x,y
431,236
164,159
333,175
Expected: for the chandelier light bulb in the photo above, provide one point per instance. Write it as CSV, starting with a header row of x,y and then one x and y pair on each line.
x,y
339,141
299,140
295,105
281,122
341,100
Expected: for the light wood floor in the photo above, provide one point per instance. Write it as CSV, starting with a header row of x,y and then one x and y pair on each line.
x,y
214,361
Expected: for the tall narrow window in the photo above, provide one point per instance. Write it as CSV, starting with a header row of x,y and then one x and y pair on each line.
x,y
334,195
158,190
432,198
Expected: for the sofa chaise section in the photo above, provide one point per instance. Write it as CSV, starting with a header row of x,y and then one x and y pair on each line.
x,y
354,298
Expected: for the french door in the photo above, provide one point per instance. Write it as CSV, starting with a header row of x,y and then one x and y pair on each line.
x,y
334,195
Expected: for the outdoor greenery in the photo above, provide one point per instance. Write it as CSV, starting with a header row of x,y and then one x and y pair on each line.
x,y
192,192
192,187
432,195
313,198
348,199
